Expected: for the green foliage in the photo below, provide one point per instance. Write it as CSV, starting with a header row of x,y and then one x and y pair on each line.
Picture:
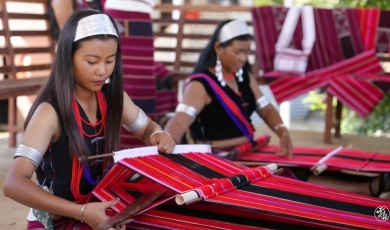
x,y
383,4
376,124
268,2
316,101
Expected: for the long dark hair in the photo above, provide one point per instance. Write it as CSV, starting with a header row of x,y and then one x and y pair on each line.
x,y
60,86
208,56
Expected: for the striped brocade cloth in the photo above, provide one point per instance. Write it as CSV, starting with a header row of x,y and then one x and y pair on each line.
x,y
343,55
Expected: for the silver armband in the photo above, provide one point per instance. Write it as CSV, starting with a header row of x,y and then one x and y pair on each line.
x,y
30,153
187,109
139,123
278,126
262,102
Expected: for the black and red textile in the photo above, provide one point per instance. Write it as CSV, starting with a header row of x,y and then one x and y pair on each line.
x,y
345,159
231,196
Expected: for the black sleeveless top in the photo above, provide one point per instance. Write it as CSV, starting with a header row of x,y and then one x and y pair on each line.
x,y
213,123
55,170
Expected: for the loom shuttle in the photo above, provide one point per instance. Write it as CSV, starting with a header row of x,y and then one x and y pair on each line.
x,y
194,201
320,166
319,169
187,198
273,167
279,171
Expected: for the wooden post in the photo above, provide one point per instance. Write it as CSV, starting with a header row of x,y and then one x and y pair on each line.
x,y
328,119
339,110
12,108
180,33
165,14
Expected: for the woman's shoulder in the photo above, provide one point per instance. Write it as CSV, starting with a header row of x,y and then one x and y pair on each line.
x,y
46,109
44,124
201,76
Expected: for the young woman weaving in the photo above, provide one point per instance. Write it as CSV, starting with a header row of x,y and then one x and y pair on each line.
x,y
78,112
223,82
220,97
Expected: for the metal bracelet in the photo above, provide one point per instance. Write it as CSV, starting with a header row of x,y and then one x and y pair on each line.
x,y
30,153
159,131
82,211
139,122
278,126
262,102
187,109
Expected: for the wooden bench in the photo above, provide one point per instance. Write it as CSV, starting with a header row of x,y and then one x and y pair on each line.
x,y
21,77
11,88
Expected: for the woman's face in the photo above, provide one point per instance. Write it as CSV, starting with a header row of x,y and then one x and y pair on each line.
x,y
94,62
234,56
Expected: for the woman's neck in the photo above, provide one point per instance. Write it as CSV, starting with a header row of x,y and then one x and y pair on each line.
x,y
83,95
225,73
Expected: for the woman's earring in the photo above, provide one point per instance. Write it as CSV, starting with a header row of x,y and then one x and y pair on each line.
x,y
218,72
239,75
108,81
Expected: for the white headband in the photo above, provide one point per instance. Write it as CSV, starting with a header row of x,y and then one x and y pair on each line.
x,y
233,29
94,25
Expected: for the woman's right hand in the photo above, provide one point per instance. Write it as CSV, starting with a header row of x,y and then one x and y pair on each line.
x,y
94,214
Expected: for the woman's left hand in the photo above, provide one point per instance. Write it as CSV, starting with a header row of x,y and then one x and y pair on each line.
x,y
285,145
164,142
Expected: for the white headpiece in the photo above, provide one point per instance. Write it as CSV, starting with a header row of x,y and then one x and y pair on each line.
x,y
233,29
94,25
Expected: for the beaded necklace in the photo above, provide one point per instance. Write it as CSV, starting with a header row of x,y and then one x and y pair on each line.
x,y
78,168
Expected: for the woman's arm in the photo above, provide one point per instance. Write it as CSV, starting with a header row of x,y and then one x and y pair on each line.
x,y
62,10
271,117
136,121
195,98
41,130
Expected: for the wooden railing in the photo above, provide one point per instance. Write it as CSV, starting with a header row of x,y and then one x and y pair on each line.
x,y
190,31
23,78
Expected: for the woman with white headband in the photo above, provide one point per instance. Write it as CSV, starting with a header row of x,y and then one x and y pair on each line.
x,y
223,70
220,97
78,113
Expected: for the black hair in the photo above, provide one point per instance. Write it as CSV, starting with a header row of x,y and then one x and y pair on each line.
x,y
208,56
60,87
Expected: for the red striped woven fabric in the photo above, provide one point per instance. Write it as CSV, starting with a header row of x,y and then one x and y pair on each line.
x,y
338,36
368,22
62,223
288,87
382,32
358,94
341,49
227,186
350,159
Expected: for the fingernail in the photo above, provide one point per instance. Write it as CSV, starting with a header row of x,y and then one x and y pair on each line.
x,y
117,199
